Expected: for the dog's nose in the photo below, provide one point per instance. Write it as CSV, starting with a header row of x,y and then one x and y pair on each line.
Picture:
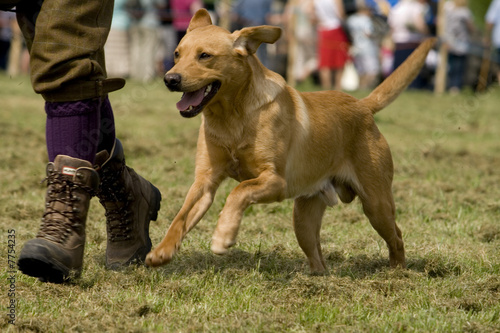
x,y
172,81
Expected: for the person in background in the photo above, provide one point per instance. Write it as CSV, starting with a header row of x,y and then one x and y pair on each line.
x,y
66,39
364,49
144,40
407,20
249,13
6,19
333,44
18,57
458,29
117,47
493,33
182,12
298,15
167,40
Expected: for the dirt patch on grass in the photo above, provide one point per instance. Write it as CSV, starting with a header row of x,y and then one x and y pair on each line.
x,y
489,233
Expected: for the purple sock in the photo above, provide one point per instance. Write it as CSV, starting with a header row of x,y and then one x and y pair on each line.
x,y
73,129
107,134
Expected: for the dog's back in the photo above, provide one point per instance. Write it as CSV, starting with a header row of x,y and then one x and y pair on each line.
x,y
336,119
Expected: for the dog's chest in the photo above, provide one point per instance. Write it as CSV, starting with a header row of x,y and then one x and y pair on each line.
x,y
241,165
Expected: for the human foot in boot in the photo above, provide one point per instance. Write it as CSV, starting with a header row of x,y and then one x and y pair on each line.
x,y
56,254
131,202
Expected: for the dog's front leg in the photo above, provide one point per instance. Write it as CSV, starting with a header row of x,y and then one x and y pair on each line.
x,y
268,187
198,200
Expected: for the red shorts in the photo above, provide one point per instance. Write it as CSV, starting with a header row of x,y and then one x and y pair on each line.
x,y
333,47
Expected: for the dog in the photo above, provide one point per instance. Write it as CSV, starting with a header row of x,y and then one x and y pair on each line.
x,y
279,143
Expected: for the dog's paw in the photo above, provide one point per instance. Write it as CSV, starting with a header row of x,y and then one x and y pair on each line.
x,y
220,246
158,257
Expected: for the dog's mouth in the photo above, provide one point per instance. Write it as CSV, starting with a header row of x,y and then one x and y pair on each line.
x,y
193,102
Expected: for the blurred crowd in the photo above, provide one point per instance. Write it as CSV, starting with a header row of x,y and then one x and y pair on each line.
x,y
338,44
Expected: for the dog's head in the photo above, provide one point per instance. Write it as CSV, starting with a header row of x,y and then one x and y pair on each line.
x,y
211,62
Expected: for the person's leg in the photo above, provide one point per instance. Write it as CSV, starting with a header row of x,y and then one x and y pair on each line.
x,y
453,71
372,69
135,51
67,50
400,55
4,53
130,201
67,69
107,133
65,40
79,129
56,254
496,63
151,41
72,129
337,75
325,77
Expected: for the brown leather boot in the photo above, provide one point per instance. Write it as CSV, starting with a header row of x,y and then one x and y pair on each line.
x,y
131,202
56,254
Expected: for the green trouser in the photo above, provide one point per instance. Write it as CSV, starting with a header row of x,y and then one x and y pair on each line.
x,y
66,40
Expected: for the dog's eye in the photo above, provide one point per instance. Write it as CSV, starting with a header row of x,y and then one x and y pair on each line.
x,y
176,54
204,55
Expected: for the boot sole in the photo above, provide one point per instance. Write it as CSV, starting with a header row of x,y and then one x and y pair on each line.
x,y
38,260
44,269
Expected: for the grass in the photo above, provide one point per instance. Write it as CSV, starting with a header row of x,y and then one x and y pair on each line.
x,y
447,170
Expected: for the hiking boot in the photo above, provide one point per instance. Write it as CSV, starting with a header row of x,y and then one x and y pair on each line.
x,y
56,254
131,202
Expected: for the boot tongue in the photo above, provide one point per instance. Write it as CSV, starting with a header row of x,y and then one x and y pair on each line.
x,y
67,166
193,98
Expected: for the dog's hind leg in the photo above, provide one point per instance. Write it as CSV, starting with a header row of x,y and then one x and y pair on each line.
x,y
378,206
307,215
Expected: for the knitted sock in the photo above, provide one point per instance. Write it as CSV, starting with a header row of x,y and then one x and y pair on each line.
x,y
107,130
73,129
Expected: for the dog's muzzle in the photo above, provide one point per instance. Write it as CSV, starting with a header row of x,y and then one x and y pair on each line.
x,y
173,81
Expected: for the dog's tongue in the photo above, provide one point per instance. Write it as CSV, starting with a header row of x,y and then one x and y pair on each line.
x,y
191,99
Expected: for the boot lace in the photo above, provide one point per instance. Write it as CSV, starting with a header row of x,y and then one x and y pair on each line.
x,y
116,201
61,217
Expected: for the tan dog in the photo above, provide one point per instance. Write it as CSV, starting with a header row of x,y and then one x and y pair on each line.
x,y
277,142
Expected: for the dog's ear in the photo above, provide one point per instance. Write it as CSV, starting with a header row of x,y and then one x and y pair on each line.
x,y
200,19
248,40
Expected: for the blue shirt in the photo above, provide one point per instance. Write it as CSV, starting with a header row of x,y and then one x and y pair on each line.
x,y
121,18
253,12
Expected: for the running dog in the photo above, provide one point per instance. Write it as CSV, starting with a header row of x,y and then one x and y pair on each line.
x,y
279,143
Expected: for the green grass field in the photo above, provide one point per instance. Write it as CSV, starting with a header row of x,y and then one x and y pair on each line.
x,y
446,151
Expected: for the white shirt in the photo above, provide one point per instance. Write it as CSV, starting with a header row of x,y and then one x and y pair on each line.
x,y
457,32
493,17
361,29
327,14
404,15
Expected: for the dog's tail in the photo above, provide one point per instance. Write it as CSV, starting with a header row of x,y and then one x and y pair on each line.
x,y
391,87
